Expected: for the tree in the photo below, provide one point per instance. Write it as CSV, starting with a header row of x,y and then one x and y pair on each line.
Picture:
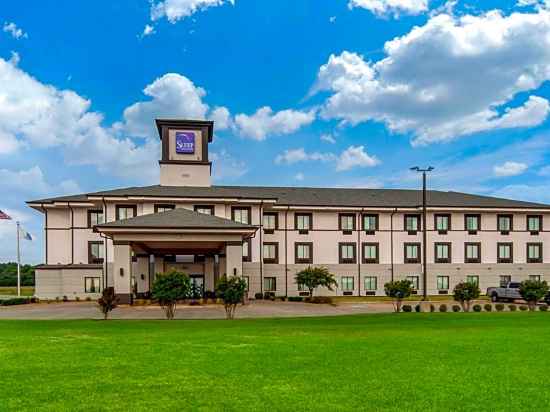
x,y
398,290
533,291
107,302
170,287
313,277
231,290
464,293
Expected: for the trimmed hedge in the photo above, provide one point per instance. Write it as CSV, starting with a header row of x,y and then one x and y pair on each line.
x,y
407,308
499,307
15,301
477,308
523,308
319,299
456,308
512,308
295,299
543,308
443,308
488,307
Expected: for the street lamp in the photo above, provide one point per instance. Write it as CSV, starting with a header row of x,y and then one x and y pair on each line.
x,y
424,246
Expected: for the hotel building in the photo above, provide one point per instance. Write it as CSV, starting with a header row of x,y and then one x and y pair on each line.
x,y
365,237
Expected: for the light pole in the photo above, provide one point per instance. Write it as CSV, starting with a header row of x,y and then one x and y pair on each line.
x,y
424,245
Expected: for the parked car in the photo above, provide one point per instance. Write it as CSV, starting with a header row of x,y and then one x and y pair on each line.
x,y
509,293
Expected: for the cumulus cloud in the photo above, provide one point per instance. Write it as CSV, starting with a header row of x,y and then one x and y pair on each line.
x,y
509,169
394,8
265,122
353,156
451,77
299,155
221,118
14,31
33,181
175,10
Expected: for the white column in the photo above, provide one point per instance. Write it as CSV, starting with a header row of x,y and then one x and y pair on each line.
x,y
234,259
209,273
122,272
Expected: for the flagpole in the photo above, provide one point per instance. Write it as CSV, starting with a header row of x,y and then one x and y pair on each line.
x,y
18,263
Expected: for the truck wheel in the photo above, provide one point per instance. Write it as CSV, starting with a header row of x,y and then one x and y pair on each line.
x,y
494,298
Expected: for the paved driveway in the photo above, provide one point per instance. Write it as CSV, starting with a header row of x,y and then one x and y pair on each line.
x,y
89,310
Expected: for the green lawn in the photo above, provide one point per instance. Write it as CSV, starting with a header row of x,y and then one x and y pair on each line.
x,y
403,362
12,290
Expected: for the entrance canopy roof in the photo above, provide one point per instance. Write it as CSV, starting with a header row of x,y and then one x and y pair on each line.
x,y
177,221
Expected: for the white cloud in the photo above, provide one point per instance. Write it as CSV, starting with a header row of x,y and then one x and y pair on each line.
x,y
299,155
509,169
175,10
221,118
451,77
226,167
332,19
355,156
327,137
33,181
16,32
391,7
265,122
299,176
148,30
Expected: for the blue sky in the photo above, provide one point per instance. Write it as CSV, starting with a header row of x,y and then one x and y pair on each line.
x,y
347,93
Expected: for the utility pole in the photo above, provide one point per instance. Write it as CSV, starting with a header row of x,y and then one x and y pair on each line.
x,y
424,232
18,262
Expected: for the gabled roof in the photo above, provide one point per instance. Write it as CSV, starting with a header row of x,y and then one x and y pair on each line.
x,y
309,196
176,219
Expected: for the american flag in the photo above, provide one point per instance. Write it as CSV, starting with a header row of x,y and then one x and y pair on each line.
x,y
4,216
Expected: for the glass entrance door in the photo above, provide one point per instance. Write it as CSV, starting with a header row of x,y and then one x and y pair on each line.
x,y
197,286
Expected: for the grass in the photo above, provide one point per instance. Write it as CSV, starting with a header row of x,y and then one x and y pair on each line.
x,y
403,362
12,290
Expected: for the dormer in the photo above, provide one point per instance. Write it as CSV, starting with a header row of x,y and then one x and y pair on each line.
x,y
184,157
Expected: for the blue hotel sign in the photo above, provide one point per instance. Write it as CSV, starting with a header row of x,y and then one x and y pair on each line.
x,y
185,142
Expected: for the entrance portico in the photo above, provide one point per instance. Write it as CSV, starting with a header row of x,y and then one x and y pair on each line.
x,y
203,246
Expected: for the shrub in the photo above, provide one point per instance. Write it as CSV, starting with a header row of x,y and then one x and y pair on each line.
x,y
443,308
15,301
269,295
209,295
464,293
57,299
477,308
170,287
283,298
523,308
313,277
320,300
417,308
65,299
488,307
499,307
88,299
533,291
432,308
231,291
543,308
398,290
77,298
258,296
295,299
512,308
107,302
456,308
407,308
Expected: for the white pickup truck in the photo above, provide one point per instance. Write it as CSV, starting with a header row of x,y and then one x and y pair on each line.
x,y
508,293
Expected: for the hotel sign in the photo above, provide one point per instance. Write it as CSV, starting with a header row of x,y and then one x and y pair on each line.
x,y
185,142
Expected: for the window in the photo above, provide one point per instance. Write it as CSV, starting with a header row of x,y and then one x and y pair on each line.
x,y
504,280
347,283
164,208
125,211
474,279
95,252
370,283
443,282
536,278
472,252
347,252
92,284
370,223
95,217
472,223
271,252
504,253
247,281
442,253
415,281
204,209
504,223
303,252
534,252
412,252
347,222
370,253
303,221
270,221
442,222
247,251
270,284
240,215
534,223
412,223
